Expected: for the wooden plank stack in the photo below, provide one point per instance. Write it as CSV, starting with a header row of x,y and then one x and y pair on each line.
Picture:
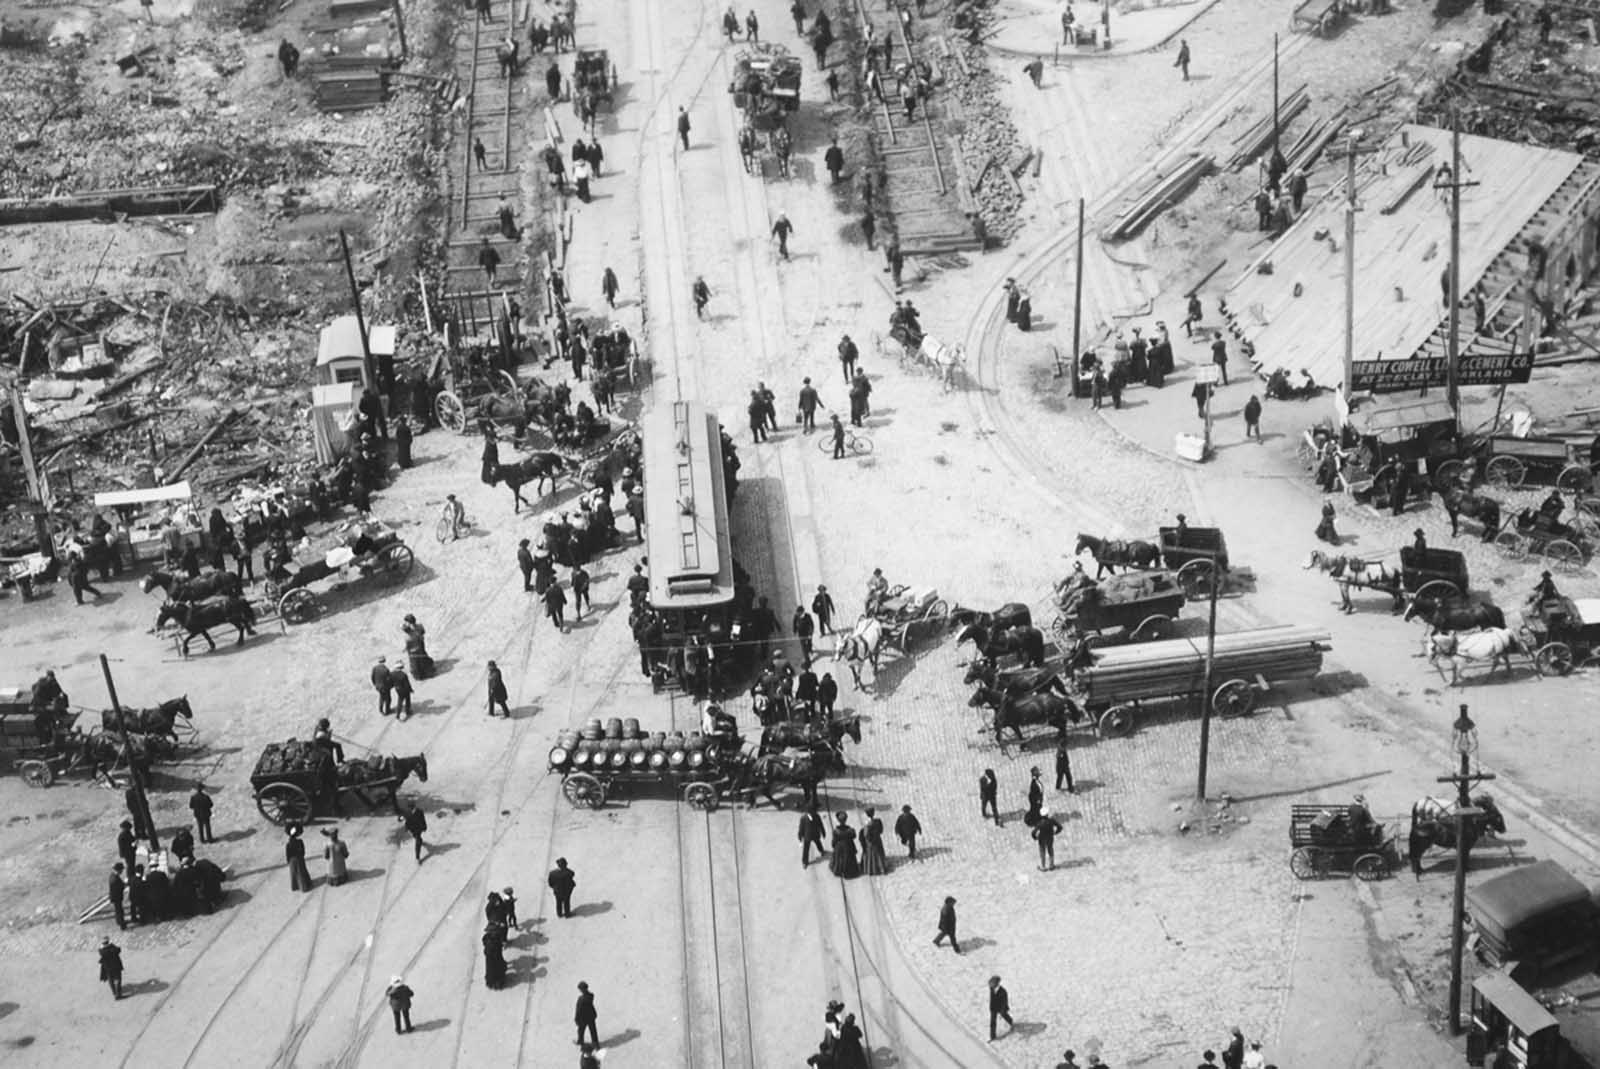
x,y
350,90
1165,192
1177,667
1254,141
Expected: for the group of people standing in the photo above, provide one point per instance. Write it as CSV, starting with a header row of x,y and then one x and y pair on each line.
x,y
846,859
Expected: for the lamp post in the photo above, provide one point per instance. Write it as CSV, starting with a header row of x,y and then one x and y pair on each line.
x,y
1464,740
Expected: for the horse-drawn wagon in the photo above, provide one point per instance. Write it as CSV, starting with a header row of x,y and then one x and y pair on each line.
x,y
1131,607
1540,532
598,762
1509,462
1565,632
1329,838
371,547
292,780
1199,556
906,612
593,73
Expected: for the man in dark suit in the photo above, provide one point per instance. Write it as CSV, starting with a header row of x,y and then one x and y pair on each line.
x,y
999,1006
200,806
947,925
811,832
562,880
989,795
1064,767
584,1014
382,684
114,890
125,845
1045,830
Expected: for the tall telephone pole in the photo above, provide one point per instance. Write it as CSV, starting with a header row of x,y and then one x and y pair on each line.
x,y
1350,266
1453,270
1077,304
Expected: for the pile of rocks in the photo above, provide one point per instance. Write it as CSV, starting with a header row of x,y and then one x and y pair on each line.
x,y
990,143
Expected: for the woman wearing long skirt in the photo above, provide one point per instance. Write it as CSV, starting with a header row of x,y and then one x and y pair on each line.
x,y
494,959
843,863
874,862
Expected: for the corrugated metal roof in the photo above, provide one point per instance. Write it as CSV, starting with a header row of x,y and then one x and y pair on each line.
x,y
1401,250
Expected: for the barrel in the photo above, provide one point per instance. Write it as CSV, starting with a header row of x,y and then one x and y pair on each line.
x,y
675,758
580,758
630,727
658,759
697,758
638,759
660,738
614,727
650,744
567,740
559,756
630,746
697,741
619,759
674,740
591,728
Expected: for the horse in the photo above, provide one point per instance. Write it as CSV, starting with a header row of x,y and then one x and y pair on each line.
x,y
1012,710
363,776
1461,501
1109,555
787,734
1011,614
196,617
1433,823
535,469
1351,571
1466,613
1025,642
205,585
1494,644
864,643
986,672
157,721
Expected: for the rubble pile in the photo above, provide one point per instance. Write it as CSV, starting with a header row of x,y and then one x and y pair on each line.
x,y
990,145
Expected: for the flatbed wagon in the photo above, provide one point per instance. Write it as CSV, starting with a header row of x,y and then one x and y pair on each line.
x,y
371,548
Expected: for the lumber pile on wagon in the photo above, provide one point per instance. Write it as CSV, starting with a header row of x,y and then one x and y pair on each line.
x,y
1177,666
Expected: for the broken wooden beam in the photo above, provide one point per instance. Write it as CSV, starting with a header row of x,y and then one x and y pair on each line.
x,y
199,447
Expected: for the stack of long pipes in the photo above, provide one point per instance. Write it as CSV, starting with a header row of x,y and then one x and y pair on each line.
x,y
1254,141
1162,195
1177,666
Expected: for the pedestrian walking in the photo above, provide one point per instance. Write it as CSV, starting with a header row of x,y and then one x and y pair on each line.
x,y
555,600
1233,1053
1066,25
494,956
827,694
399,996
416,823
1045,830
337,854
833,160
1252,418
730,24
1035,72
810,835
838,437
989,796
947,925
797,11
552,81
702,297
78,579
822,606
832,82
402,456
874,859
580,590
1297,188
999,1007
200,805
807,406
1035,797
480,154
608,286
896,260
752,28
402,693
1202,396
127,844
489,260
116,886
383,684
294,852
1064,767
803,629
525,565
869,227
848,355
561,882
683,128
906,828
497,692
111,966
584,1014
508,220
1182,62
781,229
288,57
860,391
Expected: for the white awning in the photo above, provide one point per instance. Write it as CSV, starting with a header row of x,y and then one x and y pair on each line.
x,y
148,496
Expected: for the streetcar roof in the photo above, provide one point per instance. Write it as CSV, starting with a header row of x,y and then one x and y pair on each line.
x,y
685,507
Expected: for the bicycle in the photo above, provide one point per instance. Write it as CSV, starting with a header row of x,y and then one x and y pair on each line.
x,y
855,443
443,530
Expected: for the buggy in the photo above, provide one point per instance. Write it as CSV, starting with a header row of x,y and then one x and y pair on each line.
x,y
1196,554
1566,633
1334,838
1537,532
371,547
1433,574
906,612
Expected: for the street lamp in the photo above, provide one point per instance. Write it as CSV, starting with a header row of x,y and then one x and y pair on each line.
x,y
1464,740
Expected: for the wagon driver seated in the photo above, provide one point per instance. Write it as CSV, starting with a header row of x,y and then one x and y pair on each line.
x,y
1362,826
1069,592
1544,591
717,724
877,590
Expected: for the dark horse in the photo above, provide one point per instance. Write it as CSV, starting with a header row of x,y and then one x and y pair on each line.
x,y
1018,681
537,469
1011,614
157,721
993,643
205,585
374,779
1467,613
1110,555
195,617
1460,501
1012,711
784,735
1433,823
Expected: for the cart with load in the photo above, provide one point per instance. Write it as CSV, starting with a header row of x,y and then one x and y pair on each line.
x,y
1510,462
293,780
96,753
1130,607
1118,681
1565,632
907,613
1337,838
496,398
371,548
1196,554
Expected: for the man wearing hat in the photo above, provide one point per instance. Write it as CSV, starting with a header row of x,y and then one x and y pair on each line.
x,y
497,691
822,607
561,882
400,997
114,891
111,965
809,402
636,512
383,684
947,924
125,844
525,565
999,1006
1035,797
1045,831
294,852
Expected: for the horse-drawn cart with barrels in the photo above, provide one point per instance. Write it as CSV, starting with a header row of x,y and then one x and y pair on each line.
x,y
363,549
703,768
1130,607
292,780
1118,682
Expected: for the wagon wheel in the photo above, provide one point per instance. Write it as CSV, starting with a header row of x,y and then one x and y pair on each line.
x,y
1512,544
1505,471
449,410
701,796
584,791
1370,867
1437,590
37,773
1306,863
1236,697
394,563
1564,555
1575,478
284,803
1196,578
1450,474
1153,628
506,381
1116,721
1062,625
1554,659
939,614
297,606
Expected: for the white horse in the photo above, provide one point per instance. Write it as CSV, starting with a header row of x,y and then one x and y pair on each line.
x,y
945,360
1492,644
863,644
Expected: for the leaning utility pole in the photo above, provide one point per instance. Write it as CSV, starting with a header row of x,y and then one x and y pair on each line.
x,y
361,322
135,772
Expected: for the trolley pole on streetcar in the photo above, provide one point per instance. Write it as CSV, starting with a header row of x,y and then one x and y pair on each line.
x,y
1215,576
135,775
1464,740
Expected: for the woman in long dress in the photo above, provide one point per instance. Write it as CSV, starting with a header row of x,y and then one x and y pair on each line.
x,y
843,863
494,958
874,862
337,854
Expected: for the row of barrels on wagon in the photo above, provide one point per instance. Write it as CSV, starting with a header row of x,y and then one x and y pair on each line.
x,y
620,745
